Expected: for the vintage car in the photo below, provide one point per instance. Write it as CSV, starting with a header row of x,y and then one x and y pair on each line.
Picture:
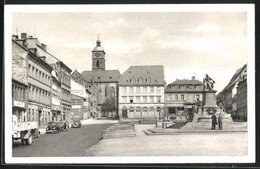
x,y
53,127
76,124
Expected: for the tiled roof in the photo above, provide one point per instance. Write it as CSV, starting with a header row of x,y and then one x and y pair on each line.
x,y
155,74
101,75
238,72
186,81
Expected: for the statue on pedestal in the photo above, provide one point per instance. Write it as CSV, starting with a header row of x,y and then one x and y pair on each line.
x,y
208,82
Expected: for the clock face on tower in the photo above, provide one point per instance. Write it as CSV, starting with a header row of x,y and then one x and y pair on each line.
x,y
97,54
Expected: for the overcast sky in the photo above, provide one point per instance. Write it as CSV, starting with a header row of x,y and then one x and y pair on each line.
x,y
184,43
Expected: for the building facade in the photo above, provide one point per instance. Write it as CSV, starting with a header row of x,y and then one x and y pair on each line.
x,y
38,77
182,98
61,110
141,92
242,98
88,94
229,95
105,80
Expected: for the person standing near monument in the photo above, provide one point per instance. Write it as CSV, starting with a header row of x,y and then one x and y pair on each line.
x,y
220,119
213,122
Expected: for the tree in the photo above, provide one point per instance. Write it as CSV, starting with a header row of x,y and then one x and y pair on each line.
x,y
108,105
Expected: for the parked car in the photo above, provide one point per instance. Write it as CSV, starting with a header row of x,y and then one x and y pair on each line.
x,y
64,125
76,124
53,127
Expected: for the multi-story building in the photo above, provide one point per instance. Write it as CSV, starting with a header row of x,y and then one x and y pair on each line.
x,y
242,98
105,80
62,72
38,77
182,96
141,92
229,93
84,95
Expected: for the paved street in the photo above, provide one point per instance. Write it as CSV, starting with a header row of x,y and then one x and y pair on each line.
x,y
66,143
186,144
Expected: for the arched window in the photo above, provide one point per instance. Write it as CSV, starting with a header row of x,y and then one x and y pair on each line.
x,y
112,92
151,109
140,80
131,109
145,109
158,109
132,80
138,109
97,63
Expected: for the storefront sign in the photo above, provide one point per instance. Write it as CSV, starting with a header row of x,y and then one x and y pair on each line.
x,y
19,104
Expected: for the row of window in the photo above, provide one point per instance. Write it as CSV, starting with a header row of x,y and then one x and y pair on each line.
x,y
39,95
180,97
32,115
77,102
140,80
144,90
182,87
65,79
39,75
143,99
18,93
66,95
143,109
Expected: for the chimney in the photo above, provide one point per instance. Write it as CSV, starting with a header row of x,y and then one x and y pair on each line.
x,y
44,47
193,78
14,37
33,50
23,35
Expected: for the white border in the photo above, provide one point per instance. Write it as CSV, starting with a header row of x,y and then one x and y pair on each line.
x,y
249,8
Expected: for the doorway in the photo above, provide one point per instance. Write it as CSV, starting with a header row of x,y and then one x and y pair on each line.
x,y
124,113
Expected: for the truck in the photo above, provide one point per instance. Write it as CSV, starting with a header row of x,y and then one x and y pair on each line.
x,y
25,131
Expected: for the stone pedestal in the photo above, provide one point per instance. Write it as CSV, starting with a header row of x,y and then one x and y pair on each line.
x,y
210,105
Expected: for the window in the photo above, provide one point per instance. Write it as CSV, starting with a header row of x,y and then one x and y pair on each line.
x,y
151,99
132,80
97,64
176,97
158,90
131,99
145,109
36,74
124,99
131,90
152,109
168,97
138,109
137,89
124,90
148,80
151,89
140,80
29,68
137,99
28,115
158,99
131,109
145,90
144,99
182,97
181,87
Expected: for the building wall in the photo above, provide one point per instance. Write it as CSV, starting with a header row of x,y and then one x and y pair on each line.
x,y
141,101
242,100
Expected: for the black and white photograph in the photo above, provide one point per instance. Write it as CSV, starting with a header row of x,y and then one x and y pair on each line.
x,y
130,83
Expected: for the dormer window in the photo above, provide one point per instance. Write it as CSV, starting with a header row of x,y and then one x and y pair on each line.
x,y
140,80
132,80
148,80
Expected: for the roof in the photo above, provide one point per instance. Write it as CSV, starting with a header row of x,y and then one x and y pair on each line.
x,y
101,75
237,73
150,75
186,81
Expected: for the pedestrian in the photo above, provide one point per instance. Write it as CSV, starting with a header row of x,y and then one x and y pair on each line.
x,y
213,122
220,119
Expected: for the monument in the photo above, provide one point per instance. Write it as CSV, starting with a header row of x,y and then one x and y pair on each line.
x,y
209,96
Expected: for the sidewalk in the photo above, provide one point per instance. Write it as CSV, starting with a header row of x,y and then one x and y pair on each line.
x,y
94,121
230,144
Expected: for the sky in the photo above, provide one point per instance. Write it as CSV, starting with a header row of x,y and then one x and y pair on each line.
x,y
185,43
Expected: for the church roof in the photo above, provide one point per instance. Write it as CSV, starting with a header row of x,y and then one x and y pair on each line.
x,y
101,75
149,75
185,82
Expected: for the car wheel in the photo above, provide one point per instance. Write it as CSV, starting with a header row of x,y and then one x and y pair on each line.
x,y
29,140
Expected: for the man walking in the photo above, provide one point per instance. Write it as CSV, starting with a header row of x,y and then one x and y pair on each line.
x,y
213,122
220,119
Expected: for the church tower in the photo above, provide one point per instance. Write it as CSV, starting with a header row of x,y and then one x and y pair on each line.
x,y
98,57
